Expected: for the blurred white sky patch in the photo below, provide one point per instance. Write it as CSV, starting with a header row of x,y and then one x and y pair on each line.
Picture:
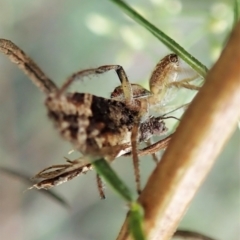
x,y
99,24
131,38
157,2
125,56
219,26
173,6
222,17
7,18
220,21
215,52
221,10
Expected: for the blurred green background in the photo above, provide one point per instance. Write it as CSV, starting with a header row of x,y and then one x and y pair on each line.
x,y
66,36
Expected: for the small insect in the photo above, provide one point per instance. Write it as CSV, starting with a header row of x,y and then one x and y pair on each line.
x,y
99,127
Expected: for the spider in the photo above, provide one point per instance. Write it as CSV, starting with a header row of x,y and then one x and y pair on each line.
x,y
99,127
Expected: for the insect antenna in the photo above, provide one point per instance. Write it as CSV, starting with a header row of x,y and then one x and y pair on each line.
x,y
126,86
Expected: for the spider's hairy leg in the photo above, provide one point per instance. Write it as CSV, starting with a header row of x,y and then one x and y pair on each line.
x,y
28,66
58,174
152,149
138,91
135,156
155,147
100,187
185,83
154,155
165,75
127,90
164,72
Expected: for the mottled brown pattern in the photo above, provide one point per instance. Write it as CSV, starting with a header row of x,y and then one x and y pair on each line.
x,y
58,178
159,78
92,123
99,127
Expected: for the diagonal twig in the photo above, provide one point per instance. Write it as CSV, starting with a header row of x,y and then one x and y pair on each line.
x,y
205,128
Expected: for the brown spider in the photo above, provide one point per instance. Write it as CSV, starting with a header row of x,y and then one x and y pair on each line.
x,y
100,127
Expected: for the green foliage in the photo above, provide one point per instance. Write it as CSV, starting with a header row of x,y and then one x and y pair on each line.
x,y
166,40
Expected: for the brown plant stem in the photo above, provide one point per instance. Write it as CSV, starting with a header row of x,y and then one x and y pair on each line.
x,y
205,128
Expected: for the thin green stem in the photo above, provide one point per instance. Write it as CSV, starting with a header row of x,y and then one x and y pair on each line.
x,y
166,40
135,221
106,172
136,211
235,12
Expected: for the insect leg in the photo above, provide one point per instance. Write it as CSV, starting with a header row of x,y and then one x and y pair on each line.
x,y
100,187
161,144
135,156
28,66
185,83
127,90
154,155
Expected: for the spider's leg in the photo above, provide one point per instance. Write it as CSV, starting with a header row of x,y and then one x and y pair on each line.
x,y
165,76
161,144
28,66
165,71
185,83
58,174
135,156
127,90
154,155
184,234
100,187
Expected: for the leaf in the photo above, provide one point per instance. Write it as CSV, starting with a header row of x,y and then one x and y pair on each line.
x,y
235,12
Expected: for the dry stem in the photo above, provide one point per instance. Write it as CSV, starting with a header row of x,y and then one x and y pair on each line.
x,y
205,128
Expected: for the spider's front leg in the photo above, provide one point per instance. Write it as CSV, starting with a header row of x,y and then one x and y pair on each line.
x,y
166,75
28,66
185,83
126,86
